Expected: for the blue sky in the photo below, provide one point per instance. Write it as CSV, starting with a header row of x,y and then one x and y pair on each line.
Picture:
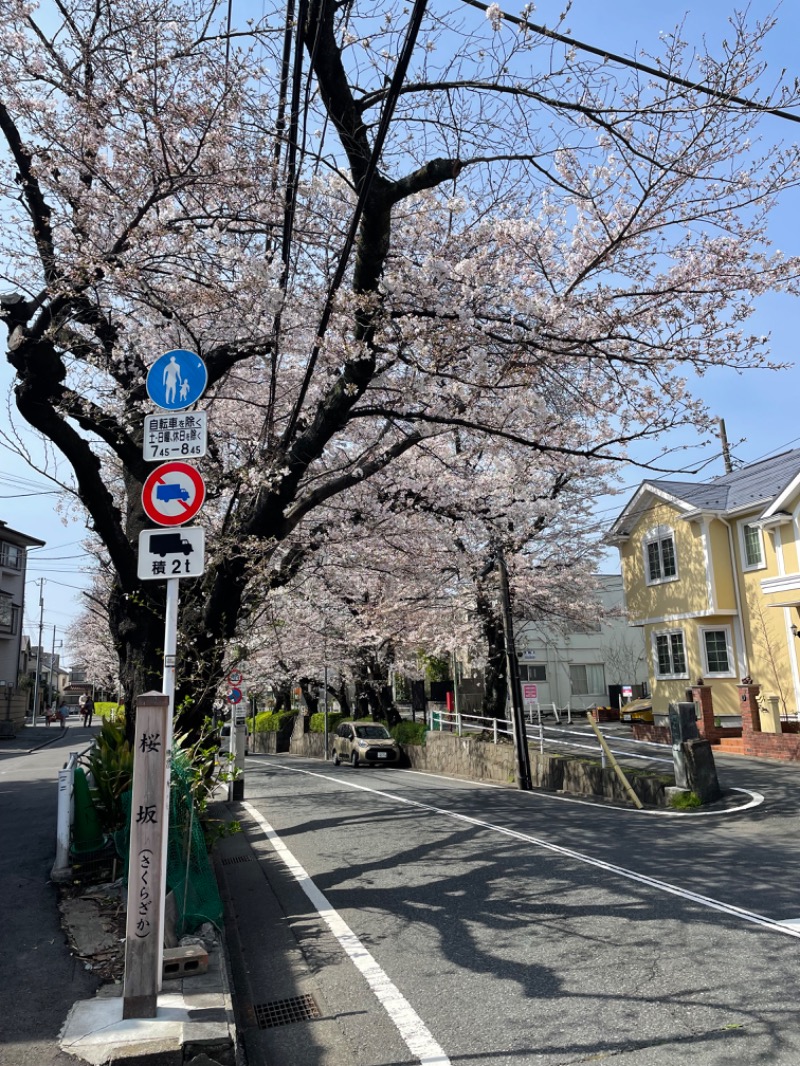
x,y
758,406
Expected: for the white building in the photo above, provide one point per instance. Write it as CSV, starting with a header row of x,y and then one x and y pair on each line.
x,y
584,667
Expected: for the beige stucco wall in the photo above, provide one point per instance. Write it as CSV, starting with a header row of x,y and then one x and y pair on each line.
x,y
689,594
722,566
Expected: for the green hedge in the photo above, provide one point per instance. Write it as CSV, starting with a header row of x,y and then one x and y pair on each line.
x,y
409,733
271,721
114,711
316,723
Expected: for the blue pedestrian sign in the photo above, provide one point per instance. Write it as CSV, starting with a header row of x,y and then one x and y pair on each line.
x,y
177,379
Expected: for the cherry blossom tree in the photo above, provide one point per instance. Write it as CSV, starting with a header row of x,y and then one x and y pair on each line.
x,y
389,234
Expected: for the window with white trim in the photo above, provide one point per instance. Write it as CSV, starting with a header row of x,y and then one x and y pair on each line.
x,y
752,547
715,645
587,679
660,560
669,654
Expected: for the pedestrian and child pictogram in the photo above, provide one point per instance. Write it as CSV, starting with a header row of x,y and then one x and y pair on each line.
x,y
173,494
177,379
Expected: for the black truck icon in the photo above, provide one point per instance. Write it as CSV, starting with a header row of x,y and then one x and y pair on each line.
x,y
169,544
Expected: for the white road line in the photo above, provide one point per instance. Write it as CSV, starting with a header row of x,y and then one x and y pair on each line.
x,y
417,1037
621,871
756,799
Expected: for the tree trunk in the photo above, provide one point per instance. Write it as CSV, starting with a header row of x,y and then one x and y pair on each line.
x,y
495,681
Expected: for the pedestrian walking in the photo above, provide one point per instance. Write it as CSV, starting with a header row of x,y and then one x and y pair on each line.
x,y
87,710
62,713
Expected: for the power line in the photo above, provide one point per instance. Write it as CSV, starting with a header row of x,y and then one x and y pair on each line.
x,y
634,64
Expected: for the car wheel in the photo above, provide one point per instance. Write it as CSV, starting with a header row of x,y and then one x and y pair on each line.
x,y
354,759
336,759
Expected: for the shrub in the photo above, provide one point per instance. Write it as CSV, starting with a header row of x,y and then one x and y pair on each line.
x,y
110,763
409,732
271,721
114,711
316,722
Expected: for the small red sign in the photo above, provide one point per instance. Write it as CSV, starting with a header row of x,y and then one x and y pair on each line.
x,y
530,693
235,677
173,494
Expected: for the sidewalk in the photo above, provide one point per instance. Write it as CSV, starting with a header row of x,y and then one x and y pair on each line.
x,y
53,1002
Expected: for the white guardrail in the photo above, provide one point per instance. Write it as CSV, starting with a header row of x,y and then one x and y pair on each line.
x,y
61,867
554,738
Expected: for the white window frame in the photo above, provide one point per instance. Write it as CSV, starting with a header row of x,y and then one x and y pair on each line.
x,y
707,672
672,676
656,536
762,565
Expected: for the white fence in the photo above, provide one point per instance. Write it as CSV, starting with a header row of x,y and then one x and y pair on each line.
x,y
561,738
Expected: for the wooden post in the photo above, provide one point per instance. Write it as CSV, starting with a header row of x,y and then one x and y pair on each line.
x,y
616,766
146,873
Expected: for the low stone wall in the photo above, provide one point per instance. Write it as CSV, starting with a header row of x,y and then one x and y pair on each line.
x,y
12,712
262,743
477,760
309,745
481,760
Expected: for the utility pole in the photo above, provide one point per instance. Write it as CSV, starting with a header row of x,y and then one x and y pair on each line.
x,y
38,653
726,451
52,663
523,758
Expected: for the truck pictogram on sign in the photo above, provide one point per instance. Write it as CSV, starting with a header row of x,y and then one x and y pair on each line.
x,y
170,544
163,555
173,494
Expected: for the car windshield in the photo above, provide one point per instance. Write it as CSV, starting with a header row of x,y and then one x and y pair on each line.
x,y
371,732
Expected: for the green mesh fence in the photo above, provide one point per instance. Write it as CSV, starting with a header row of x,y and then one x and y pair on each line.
x,y
190,876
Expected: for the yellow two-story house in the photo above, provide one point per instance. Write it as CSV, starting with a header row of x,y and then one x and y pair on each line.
x,y
711,573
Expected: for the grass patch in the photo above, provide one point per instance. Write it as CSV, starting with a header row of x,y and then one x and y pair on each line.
x,y
685,801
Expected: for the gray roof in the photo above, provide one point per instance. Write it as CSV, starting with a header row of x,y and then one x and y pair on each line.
x,y
756,485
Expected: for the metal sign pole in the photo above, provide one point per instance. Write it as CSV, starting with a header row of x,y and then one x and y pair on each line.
x,y
168,688
325,705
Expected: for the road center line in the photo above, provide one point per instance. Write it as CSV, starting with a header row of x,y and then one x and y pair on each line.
x,y
416,1035
577,856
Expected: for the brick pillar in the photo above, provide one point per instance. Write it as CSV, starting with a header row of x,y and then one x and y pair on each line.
x,y
701,694
751,717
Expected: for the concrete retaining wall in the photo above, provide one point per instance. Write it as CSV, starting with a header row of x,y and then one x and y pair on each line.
x,y
478,760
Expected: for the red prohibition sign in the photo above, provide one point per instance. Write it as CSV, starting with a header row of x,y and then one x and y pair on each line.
x,y
173,494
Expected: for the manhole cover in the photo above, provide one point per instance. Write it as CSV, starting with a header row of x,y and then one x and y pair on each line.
x,y
285,1012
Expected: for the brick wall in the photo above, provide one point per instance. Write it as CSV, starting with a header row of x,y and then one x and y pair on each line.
x,y
658,734
783,746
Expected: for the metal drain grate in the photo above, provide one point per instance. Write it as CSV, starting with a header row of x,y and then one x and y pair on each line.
x,y
236,858
285,1012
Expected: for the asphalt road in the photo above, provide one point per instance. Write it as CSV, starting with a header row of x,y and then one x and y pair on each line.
x,y
508,928
39,977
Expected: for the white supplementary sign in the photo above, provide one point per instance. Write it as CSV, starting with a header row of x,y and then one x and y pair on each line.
x,y
175,436
530,693
165,553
